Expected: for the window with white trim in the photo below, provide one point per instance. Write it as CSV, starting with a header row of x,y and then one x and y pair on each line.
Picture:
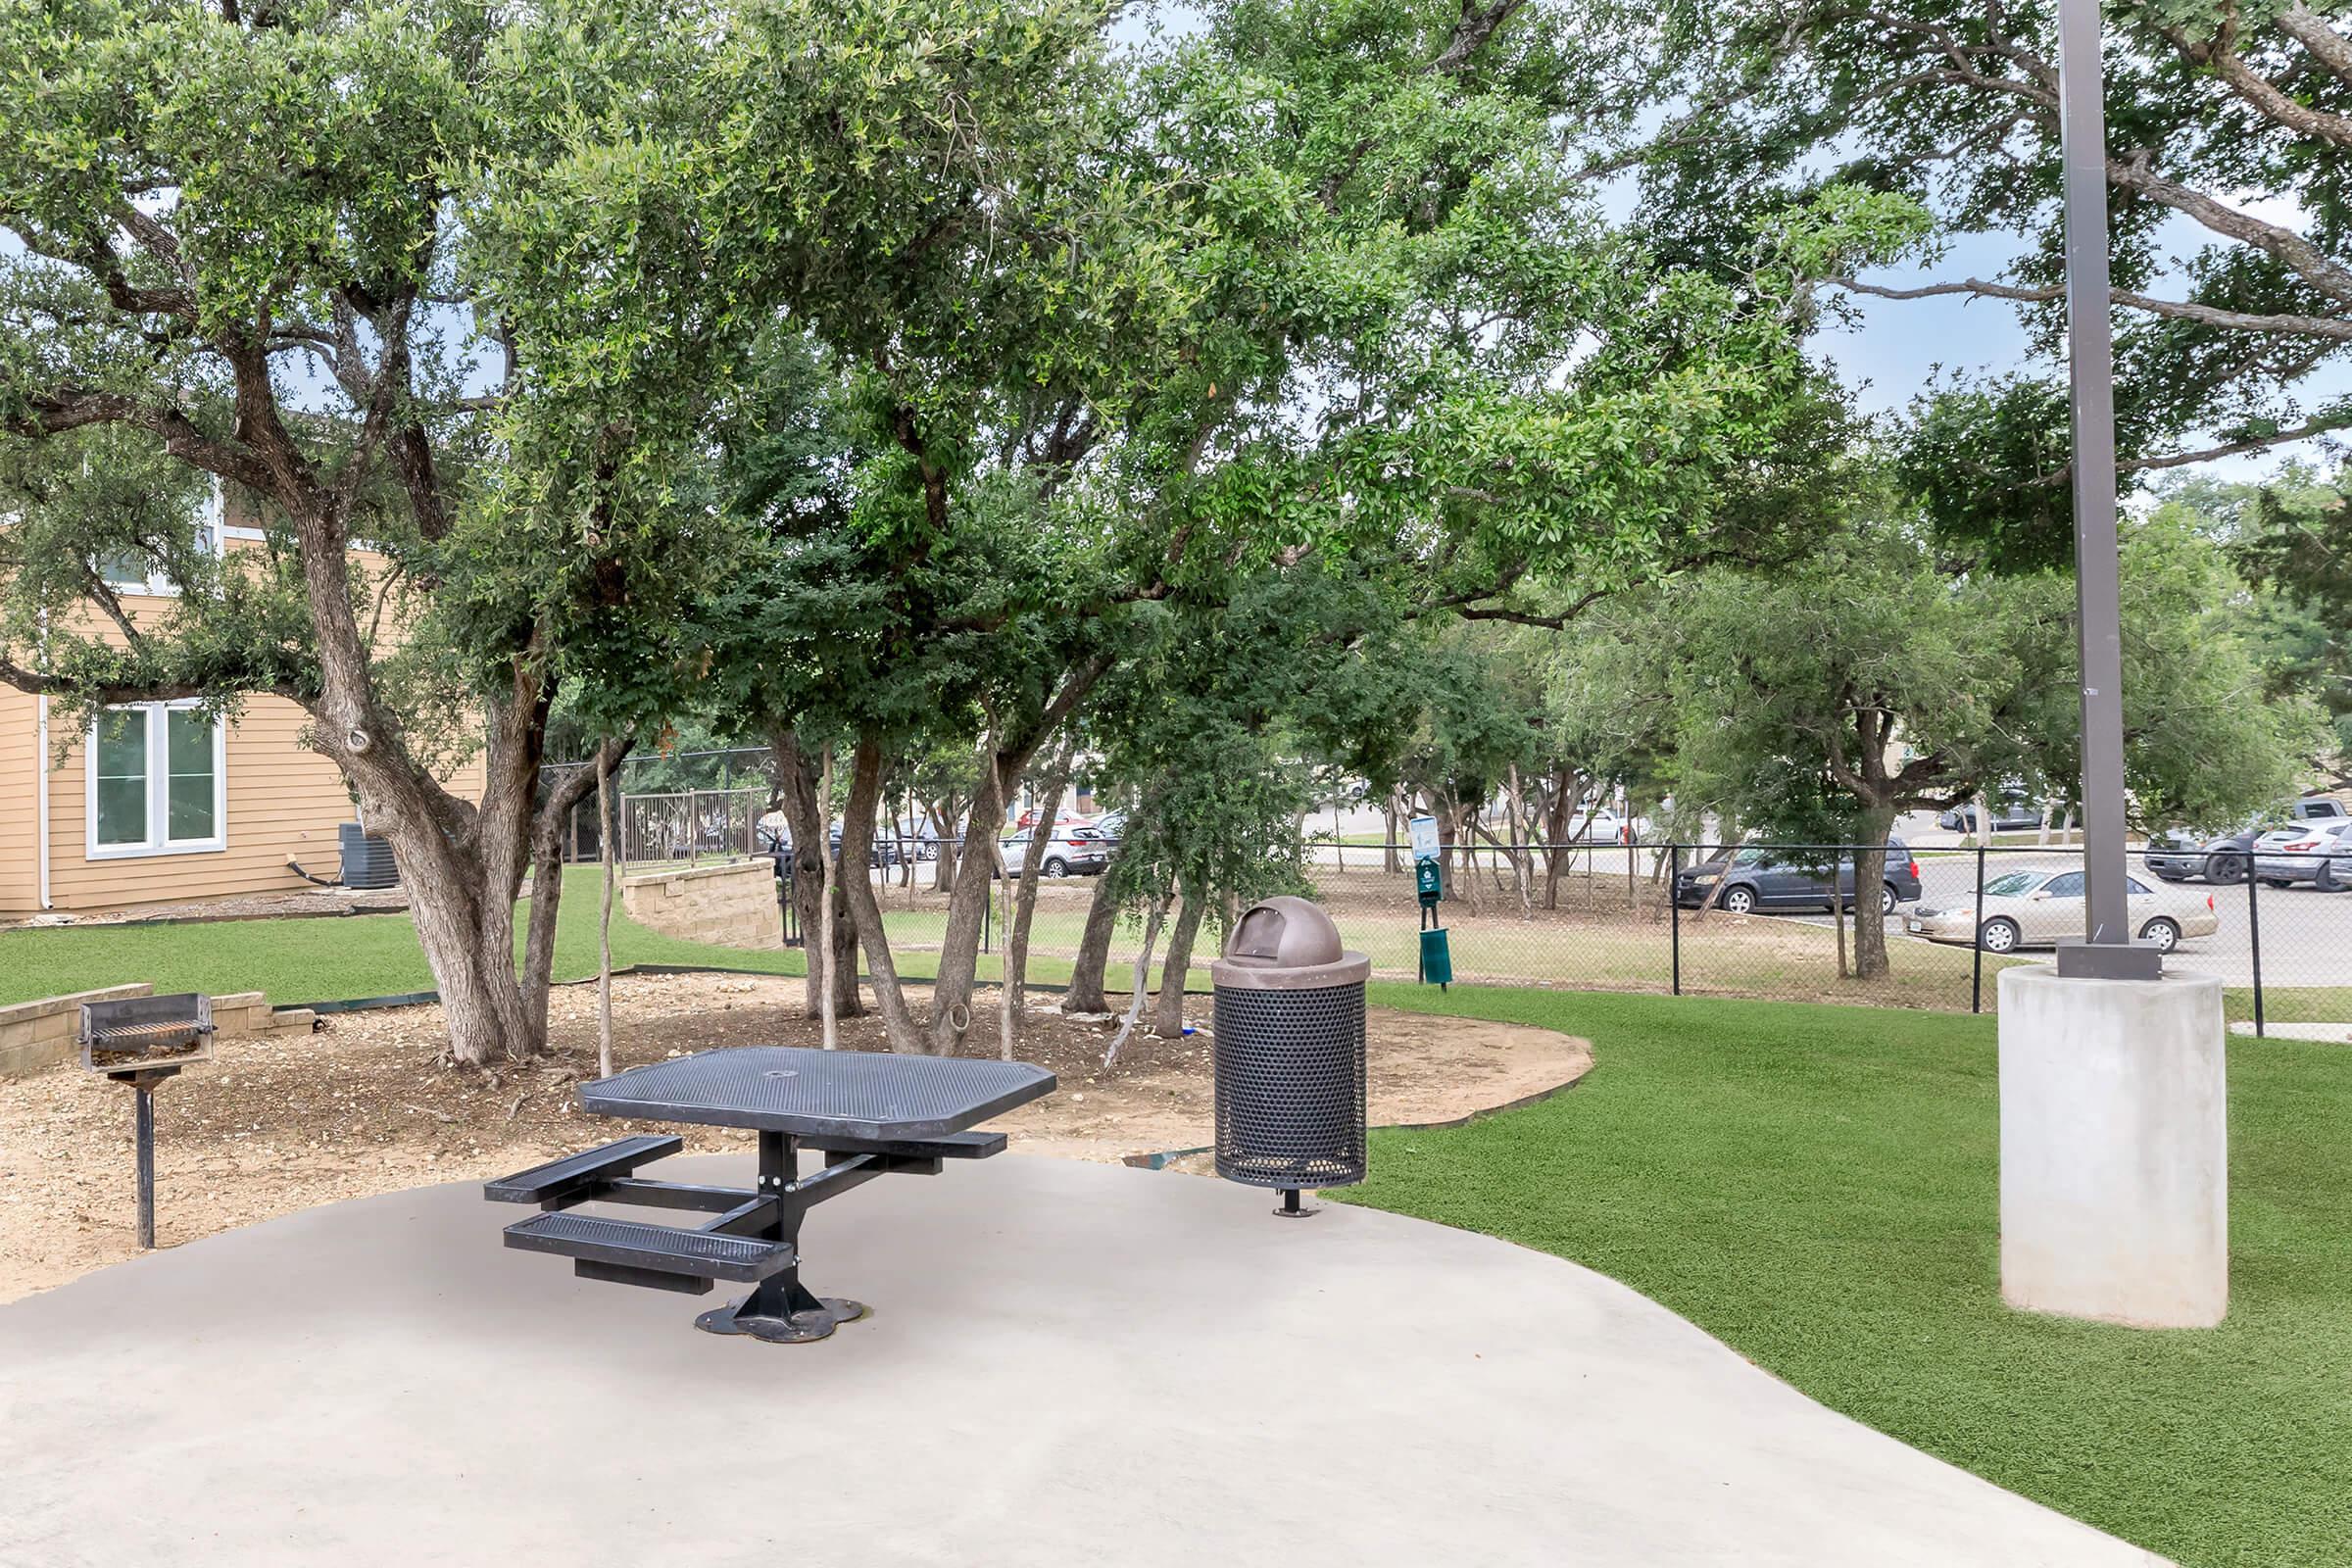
x,y
156,782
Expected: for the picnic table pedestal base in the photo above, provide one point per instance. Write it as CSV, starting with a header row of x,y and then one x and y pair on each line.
x,y
781,1309
782,1312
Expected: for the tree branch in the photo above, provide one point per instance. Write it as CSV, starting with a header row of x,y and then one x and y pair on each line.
x,y
2219,55
2323,43
2176,310
66,409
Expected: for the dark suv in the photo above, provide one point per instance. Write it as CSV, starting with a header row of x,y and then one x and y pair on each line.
x,y
1761,877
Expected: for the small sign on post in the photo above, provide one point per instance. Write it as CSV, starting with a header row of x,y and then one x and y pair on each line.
x,y
1425,838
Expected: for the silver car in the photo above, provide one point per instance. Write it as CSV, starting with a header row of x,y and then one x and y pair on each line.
x,y
2043,906
1075,847
2317,853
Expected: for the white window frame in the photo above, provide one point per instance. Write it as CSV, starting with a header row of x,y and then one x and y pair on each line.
x,y
159,790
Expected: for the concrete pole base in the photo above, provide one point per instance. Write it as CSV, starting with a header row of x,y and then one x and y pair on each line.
x,y
2115,1198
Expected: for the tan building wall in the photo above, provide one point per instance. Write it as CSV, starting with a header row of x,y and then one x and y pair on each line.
x,y
20,784
282,802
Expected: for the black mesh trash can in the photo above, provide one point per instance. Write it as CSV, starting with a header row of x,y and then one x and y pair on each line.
x,y
1290,1053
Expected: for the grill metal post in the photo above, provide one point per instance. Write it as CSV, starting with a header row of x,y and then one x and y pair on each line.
x,y
143,1125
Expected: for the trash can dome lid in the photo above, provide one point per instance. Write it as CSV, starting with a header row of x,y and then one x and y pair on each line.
x,y
1284,933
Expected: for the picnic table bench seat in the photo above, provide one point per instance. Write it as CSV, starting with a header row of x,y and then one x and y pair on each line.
x,y
581,1173
945,1145
636,1247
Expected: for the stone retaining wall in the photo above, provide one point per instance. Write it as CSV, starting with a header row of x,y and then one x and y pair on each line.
x,y
733,903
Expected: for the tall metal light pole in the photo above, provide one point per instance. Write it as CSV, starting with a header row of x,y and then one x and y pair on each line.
x,y
2107,950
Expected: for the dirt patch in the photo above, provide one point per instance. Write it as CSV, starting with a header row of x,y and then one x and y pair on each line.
x,y
271,1126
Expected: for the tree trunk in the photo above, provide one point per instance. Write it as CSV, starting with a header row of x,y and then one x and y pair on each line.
x,y
827,985
968,901
604,919
1154,915
1094,949
864,911
810,815
1002,760
943,864
1012,993
1870,877
1168,1023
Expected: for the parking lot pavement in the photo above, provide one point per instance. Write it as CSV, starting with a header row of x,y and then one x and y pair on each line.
x,y
2306,936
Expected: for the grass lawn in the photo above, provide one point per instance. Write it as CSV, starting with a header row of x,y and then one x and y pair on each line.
x,y
319,959
1817,1186
305,960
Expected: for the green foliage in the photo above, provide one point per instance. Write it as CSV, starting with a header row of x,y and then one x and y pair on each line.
x,y
2228,209
1784,683
2291,536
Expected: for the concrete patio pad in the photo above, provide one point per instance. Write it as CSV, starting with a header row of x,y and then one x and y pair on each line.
x,y
1068,1364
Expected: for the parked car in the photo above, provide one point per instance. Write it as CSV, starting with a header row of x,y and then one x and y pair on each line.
x,y
1073,849
1110,827
2039,907
1607,826
775,841
2317,853
1761,878
2011,813
915,838
2179,855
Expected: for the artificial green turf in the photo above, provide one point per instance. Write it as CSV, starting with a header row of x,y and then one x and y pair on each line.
x,y
1817,1186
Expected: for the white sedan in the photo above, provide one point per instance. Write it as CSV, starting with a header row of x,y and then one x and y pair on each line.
x,y
2038,909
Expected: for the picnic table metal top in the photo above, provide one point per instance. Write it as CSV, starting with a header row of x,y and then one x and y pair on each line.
x,y
814,1093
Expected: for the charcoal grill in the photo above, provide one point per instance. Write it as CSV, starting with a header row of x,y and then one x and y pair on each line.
x,y
140,1041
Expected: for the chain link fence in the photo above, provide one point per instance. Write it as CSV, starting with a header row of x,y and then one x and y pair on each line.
x,y
1756,920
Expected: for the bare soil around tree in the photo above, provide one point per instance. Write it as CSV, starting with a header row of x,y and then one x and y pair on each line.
x,y
366,1106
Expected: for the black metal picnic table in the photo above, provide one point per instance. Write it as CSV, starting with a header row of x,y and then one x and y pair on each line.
x,y
868,1114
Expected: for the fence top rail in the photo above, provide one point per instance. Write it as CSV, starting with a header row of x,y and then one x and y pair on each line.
x,y
683,795
1507,847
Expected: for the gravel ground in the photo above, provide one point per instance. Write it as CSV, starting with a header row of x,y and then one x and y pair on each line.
x,y
271,1126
